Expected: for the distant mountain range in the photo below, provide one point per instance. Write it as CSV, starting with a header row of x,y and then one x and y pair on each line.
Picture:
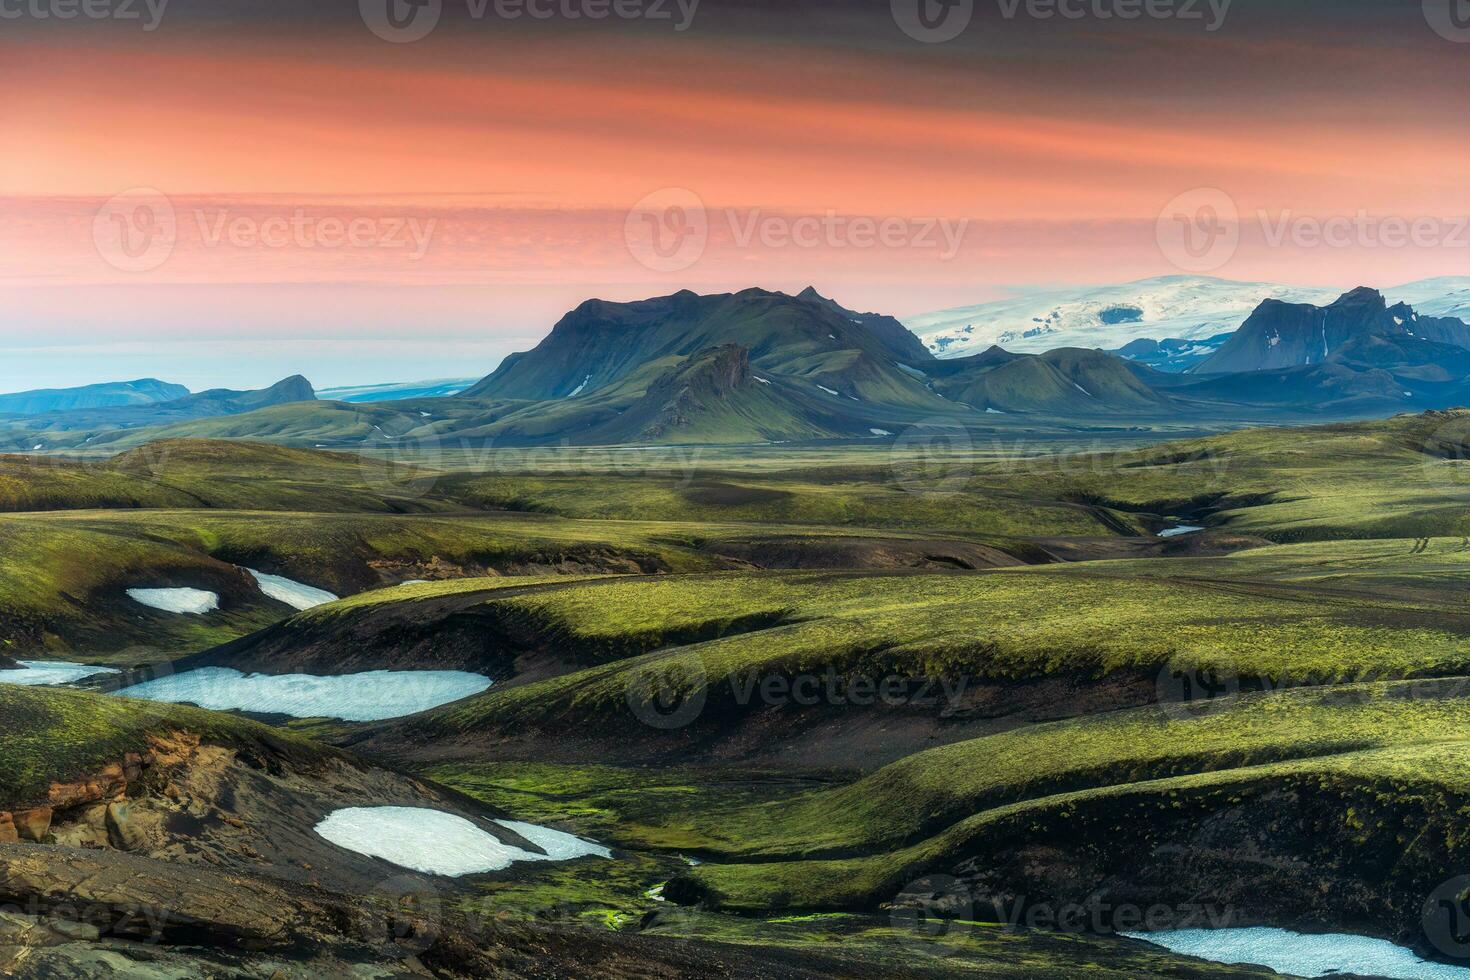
x,y
1172,309
82,425
145,391
761,367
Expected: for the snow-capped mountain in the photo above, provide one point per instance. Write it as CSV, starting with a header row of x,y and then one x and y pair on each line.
x,y
1184,308
1444,296
1106,317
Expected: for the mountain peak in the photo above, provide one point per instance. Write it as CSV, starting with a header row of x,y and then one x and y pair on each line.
x,y
1362,296
1358,328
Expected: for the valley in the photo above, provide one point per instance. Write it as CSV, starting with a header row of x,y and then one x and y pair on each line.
x,y
803,699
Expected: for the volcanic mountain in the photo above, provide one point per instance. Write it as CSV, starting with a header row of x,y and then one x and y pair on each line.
x,y
1060,382
1359,329
1356,354
601,343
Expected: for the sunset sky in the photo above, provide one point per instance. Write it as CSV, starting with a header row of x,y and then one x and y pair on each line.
x,y
489,168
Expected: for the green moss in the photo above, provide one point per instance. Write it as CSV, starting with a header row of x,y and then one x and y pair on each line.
x,y
59,735
1083,620
960,950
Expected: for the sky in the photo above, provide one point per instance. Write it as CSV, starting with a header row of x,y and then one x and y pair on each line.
x,y
225,192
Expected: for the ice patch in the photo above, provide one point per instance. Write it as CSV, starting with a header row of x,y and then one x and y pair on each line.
x,y
578,390
1082,389
994,411
880,432
441,843
558,845
1304,956
194,601
293,594
827,390
45,672
374,695
1174,532
761,380
37,446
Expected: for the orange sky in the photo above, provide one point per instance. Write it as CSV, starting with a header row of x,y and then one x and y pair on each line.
x,y
1056,146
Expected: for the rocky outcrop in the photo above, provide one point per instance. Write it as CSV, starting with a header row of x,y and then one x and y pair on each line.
x,y
92,810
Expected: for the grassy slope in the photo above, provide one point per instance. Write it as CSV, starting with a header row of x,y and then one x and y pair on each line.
x,y
933,790
1403,477
59,735
216,474
1382,742
63,575
959,949
904,497
1087,619
58,570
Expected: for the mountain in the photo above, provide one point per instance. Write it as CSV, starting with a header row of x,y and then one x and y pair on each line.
x,y
1171,355
714,396
601,343
1359,329
1441,296
1106,317
759,366
145,391
397,391
1066,382
1356,355
81,426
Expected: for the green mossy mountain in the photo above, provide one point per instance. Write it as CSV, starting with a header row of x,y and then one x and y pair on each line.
x,y
1066,381
600,343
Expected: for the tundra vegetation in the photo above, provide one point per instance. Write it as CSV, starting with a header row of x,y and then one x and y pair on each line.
x,y
837,711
